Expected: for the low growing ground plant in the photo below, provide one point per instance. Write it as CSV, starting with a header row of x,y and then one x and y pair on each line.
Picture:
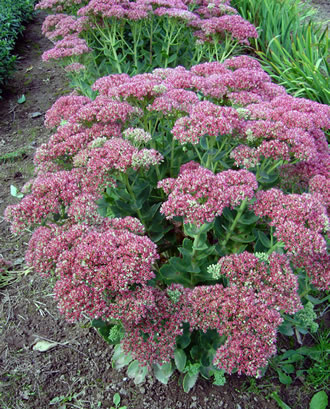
x,y
185,213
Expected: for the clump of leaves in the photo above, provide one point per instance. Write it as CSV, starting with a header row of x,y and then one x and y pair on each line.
x,y
13,14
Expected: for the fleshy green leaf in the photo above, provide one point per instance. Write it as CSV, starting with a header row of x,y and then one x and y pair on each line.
x,y
285,379
319,401
180,359
21,100
189,381
116,399
163,372
136,372
286,329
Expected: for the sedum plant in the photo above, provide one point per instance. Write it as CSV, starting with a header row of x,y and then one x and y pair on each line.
x,y
137,36
161,210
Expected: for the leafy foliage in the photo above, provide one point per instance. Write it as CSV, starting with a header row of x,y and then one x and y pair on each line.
x,y
13,14
293,48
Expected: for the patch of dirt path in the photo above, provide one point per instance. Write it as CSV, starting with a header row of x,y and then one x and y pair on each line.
x,y
77,372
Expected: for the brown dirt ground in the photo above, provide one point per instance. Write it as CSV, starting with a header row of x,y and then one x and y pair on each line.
x,y
76,373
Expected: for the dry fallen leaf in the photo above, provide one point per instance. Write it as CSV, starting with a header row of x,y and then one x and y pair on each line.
x,y
44,346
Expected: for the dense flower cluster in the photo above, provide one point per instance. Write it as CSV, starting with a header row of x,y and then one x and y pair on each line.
x,y
59,5
94,263
199,195
273,280
300,221
69,46
57,26
249,325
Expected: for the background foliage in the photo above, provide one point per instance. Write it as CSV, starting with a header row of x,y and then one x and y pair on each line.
x,y
13,14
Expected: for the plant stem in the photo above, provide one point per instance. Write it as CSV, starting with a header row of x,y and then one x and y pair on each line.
x,y
130,191
172,156
235,221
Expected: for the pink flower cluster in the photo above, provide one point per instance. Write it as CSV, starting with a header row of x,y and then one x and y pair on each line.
x,y
300,222
233,24
119,9
70,45
247,312
57,26
216,20
94,263
90,146
151,335
58,5
278,127
199,195
205,118
320,185
273,280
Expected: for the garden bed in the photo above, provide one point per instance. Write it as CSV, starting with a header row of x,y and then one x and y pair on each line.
x,y
62,376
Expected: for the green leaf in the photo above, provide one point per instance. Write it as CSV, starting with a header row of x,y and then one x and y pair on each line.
x,y
180,359
183,340
219,377
172,275
243,238
285,379
203,142
21,100
196,352
286,329
137,372
248,219
279,401
14,192
189,381
98,323
183,265
288,368
264,239
316,301
319,401
163,372
116,399
119,358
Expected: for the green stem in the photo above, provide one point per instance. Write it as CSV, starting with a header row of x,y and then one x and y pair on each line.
x,y
276,165
172,156
198,154
195,244
235,221
130,191
110,42
170,37
136,32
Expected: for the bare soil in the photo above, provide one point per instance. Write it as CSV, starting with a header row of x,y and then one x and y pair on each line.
x,y
77,372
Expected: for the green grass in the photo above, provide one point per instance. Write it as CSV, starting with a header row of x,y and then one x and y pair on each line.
x,y
14,155
292,47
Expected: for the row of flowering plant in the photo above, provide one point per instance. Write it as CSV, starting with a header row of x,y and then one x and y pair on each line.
x,y
161,209
136,36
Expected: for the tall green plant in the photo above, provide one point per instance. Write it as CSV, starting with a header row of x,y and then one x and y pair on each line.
x,y
292,47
